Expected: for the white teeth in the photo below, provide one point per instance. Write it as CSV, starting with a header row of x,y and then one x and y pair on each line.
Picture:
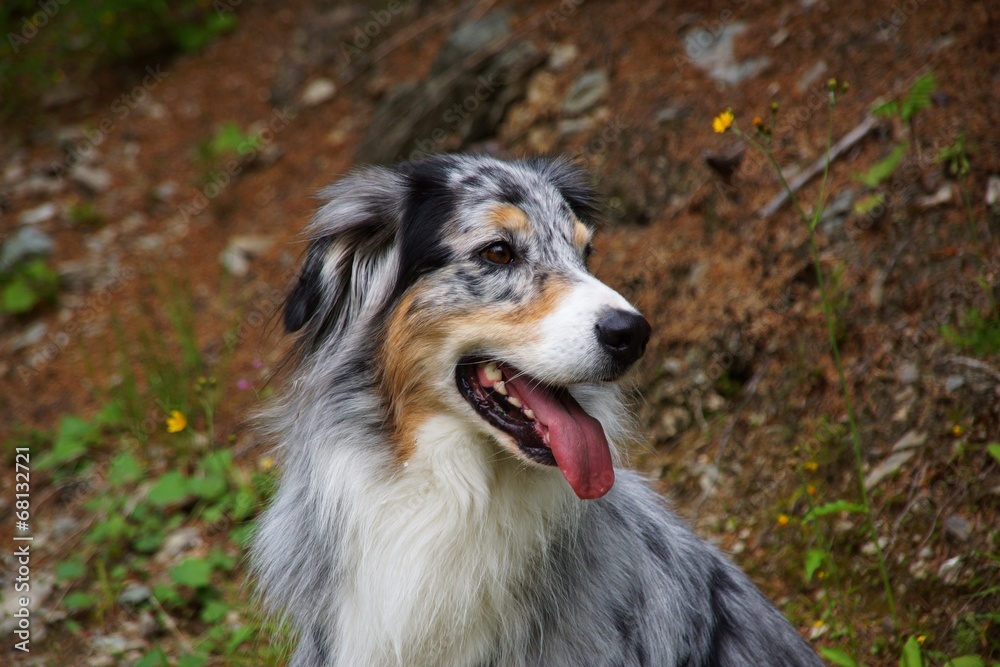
x,y
546,438
513,401
529,413
500,387
492,372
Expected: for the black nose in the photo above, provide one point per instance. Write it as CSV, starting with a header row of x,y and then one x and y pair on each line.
x,y
623,334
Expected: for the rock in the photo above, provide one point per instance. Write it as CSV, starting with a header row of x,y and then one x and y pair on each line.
x,y
953,383
673,366
236,256
561,55
674,420
472,83
907,373
887,468
34,333
958,527
134,595
836,212
585,92
109,644
993,191
910,440
950,569
470,38
317,92
811,76
42,213
179,541
942,196
713,53
25,243
94,179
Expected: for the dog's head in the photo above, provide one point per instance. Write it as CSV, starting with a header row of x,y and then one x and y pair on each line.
x,y
465,280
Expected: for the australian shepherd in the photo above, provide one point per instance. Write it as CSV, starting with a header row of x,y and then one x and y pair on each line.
x,y
449,439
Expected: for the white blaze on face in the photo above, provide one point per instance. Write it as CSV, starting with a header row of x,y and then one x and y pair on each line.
x,y
564,348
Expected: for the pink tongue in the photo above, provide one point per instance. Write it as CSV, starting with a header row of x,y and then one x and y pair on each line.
x,y
577,440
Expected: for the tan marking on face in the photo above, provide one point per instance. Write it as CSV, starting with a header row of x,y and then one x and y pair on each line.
x,y
511,218
415,336
581,235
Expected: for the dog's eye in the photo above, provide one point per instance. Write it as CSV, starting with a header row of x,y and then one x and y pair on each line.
x,y
497,253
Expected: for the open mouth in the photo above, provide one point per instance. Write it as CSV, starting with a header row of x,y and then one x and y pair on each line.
x,y
547,423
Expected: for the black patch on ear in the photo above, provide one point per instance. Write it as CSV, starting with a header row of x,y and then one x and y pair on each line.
x,y
430,204
306,296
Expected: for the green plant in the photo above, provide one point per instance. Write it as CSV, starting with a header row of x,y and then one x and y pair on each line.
x,y
26,286
229,144
762,143
49,43
978,333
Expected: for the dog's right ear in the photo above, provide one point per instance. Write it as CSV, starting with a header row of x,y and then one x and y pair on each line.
x,y
349,267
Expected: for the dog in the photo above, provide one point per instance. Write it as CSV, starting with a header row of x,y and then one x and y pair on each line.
x,y
449,438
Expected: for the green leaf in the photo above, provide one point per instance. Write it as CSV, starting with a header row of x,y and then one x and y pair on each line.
x,y
71,441
172,487
838,657
912,655
918,97
214,611
814,560
124,469
154,658
193,660
994,449
869,203
18,297
192,572
834,507
79,601
966,661
882,170
71,569
240,635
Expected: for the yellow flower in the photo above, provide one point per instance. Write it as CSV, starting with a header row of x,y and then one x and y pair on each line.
x,y
783,519
176,422
722,122
811,490
921,639
266,463
811,466
818,623
957,430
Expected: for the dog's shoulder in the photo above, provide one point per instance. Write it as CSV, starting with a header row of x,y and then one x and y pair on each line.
x,y
653,593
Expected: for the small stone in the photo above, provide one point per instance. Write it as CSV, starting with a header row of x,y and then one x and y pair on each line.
x,y
907,373
958,527
562,55
953,382
919,569
179,541
134,595
993,191
942,196
92,178
811,76
317,92
926,553
25,243
887,468
42,213
674,420
672,366
910,440
236,256
109,644
34,333
950,569
586,92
